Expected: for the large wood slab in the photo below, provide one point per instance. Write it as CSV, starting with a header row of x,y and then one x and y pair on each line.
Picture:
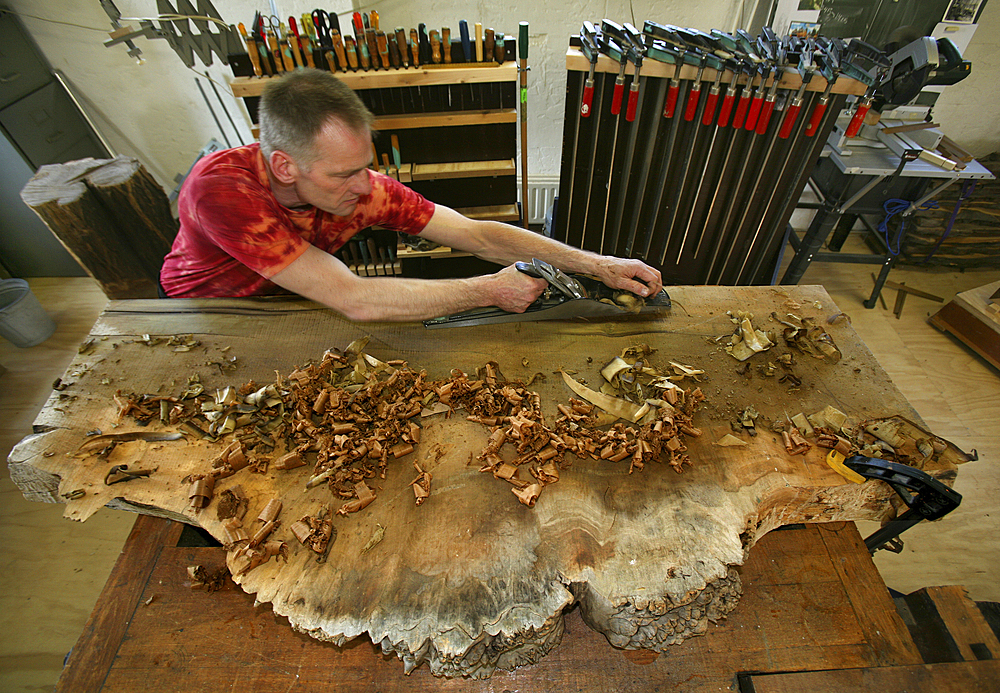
x,y
471,580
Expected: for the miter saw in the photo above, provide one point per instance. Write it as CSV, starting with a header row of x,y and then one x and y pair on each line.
x,y
920,63
567,297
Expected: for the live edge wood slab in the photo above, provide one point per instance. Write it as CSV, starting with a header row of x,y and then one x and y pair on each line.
x,y
471,580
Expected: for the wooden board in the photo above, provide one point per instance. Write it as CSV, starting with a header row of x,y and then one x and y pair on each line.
x,y
969,318
948,677
798,613
472,580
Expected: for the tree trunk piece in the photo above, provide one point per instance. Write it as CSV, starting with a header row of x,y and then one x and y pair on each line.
x,y
111,216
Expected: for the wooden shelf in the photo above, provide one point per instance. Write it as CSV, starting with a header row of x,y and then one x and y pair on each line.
x,y
461,73
410,121
790,79
491,213
464,169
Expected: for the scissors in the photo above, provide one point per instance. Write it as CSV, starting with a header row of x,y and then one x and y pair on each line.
x,y
321,20
275,25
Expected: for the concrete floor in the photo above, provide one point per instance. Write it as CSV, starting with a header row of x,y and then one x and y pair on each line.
x,y
52,570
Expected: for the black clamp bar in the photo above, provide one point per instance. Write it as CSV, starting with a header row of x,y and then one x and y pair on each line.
x,y
933,500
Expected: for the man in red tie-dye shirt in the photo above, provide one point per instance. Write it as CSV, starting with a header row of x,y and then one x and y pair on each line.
x,y
262,218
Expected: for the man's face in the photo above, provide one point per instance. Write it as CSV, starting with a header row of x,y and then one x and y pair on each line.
x,y
339,176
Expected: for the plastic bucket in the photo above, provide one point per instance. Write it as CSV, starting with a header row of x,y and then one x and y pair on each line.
x,y
23,321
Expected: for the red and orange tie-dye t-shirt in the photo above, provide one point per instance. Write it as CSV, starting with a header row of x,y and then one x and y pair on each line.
x,y
234,235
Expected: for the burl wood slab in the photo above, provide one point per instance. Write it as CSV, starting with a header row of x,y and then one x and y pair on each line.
x,y
472,580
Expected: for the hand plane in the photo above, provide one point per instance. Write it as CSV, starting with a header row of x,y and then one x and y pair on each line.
x,y
567,297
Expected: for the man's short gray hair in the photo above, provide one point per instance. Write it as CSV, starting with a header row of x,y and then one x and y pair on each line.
x,y
295,107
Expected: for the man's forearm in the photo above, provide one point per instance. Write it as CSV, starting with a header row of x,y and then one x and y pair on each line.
x,y
321,277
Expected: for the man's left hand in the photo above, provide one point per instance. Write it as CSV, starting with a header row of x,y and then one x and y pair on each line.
x,y
631,275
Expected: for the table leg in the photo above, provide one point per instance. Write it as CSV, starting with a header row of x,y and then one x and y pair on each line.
x,y
844,227
822,223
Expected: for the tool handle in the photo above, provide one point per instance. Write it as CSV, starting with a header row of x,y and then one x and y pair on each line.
x,y
435,47
394,58
727,107
633,99
588,98
498,48
710,102
374,20
692,103
478,28
401,44
383,48
668,109
446,43
307,50
352,52
789,121
754,113
857,120
616,100
338,48
741,112
522,41
765,116
251,50
814,121
463,32
414,48
489,45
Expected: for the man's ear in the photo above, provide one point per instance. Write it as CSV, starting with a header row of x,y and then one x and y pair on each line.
x,y
283,167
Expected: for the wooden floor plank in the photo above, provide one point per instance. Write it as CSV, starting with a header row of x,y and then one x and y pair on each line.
x,y
965,622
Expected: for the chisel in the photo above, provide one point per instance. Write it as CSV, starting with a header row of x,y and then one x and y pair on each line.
x,y
338,49
425,44
251,50
308,40
383,48
352,53
372,43
404,53
446,46
489,45
463,30
435,46
479,42
414,48
286,48
498,48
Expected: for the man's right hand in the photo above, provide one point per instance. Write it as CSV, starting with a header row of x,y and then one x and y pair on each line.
x,y
514,291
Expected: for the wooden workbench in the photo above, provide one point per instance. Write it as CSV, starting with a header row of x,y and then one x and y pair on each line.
x,y
274,336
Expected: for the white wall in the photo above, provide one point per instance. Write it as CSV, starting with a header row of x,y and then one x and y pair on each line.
x,y
155,112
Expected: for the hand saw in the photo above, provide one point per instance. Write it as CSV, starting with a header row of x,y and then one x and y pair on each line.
x,y
568,297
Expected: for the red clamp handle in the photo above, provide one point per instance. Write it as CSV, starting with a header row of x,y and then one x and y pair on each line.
x,y
817,116
616,100
789,122
709,108
668,110
858,118
633,99
741,112
765,116
727,106
588,99
754,112
692,103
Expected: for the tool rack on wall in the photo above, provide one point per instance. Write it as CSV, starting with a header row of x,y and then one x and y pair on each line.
x,y
703,203
456,129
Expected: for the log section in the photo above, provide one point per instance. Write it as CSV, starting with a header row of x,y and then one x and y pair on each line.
x,y
111,216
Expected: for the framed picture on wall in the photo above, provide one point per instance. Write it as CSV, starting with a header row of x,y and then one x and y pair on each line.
x,y
962,11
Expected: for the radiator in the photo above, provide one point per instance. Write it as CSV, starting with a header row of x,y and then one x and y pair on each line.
x,y
542,191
